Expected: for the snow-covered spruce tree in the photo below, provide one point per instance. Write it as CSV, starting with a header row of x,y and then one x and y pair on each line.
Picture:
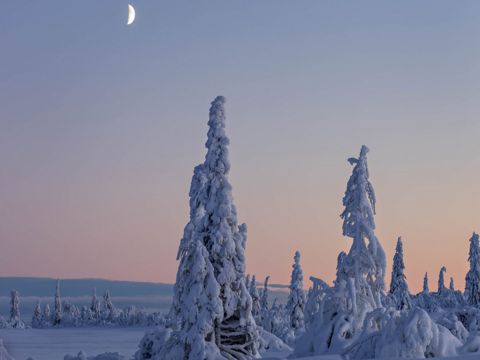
x,y
217,245
426,290
95,305
365,263
472,279
15,320
247,281
14,306
264,306
255,297
47,315
452,285
225,242
359,287
57,318
108,309
296,298
37,316
398,285
441,280
341,274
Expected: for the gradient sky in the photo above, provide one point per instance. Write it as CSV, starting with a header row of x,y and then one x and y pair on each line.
x,y
101,125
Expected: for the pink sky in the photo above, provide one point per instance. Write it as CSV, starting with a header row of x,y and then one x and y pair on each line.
x,y
101,125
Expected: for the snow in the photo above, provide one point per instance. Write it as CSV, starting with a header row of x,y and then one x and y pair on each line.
x,y
55,343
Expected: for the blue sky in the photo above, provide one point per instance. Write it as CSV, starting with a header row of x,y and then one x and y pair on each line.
x,y
101,125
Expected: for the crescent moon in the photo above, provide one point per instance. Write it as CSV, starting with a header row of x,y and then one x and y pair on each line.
x,y
131,14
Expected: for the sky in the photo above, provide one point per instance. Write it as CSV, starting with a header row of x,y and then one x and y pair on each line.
x,y
101,125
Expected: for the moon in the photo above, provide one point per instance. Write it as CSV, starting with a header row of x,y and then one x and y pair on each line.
x,y
131,14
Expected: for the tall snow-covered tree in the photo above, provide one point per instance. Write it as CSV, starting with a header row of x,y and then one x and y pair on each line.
x,y
472,279
264,296
296,299
365,262
14,307
255,297
426,290
214,245
225,243
441,279
398,284
57,318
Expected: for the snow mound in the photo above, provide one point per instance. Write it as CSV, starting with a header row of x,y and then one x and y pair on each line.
x,y
105,356
410,334
4,355
270,342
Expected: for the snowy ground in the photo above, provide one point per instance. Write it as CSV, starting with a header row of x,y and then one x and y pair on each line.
x,y
53,344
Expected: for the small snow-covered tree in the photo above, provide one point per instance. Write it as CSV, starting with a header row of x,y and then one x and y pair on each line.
x,y
247,282
341,274
108,308
47,314
37,316
441,280
95,305
398,284
472,279
365,262
264,306
426,290
296,299
452,285
14,307
255,297
57,318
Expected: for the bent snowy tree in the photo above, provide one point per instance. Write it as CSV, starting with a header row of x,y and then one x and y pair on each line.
x,y
365,263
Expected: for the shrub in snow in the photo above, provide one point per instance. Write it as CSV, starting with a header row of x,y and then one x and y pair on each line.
x,y
472,279
296,299
398,286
